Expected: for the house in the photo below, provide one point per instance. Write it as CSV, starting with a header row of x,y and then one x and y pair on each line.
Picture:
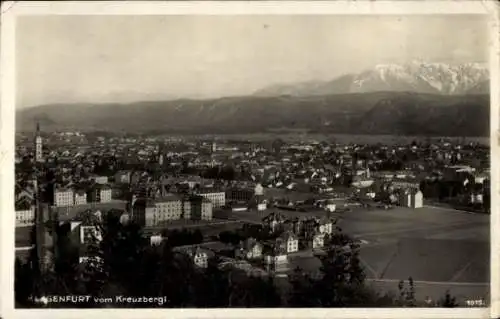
x,y
317,240
100,179
123,177
416,199
155,239
480,178
275,258
261,206
325,226
273,221
309,226
404,197
330,206
410,197
291,241
250,249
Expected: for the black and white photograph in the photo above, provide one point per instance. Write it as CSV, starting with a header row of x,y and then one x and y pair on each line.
x,y
266,160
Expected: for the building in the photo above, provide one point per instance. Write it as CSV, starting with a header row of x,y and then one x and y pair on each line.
x,y
317,240
144,212
261,206
160,159
275,258
410,197
201,208
404,197
291,241
38,145
63,197
309,226
80,197
156,239
240,194
325,226
416,199
330,206
123,177
168,207
25,216
100,179
81,233
218,198
258,190
99,194
405,183
70,212
186,208
250,249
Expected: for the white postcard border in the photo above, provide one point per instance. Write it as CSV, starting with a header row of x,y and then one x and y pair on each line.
x,y
10,10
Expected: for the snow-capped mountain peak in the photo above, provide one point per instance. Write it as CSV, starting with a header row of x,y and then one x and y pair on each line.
x,y
415,76
422,77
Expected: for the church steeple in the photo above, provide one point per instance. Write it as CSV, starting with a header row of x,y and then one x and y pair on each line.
x,y
38,144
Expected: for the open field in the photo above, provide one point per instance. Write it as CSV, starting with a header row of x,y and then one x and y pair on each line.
x,y
440,249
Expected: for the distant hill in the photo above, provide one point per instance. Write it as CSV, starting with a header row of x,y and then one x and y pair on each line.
x,y
416,76
399,113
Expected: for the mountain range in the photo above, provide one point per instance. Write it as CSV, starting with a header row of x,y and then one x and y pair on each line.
x,y
391,99
416,76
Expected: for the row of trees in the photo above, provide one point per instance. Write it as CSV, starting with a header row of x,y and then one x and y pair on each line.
x,y
124,264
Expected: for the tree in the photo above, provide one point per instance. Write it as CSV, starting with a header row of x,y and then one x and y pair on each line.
x,y
301,290
23,283
342,279
406,294
448,301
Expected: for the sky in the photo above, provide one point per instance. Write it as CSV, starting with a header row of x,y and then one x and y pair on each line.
x,y
97,59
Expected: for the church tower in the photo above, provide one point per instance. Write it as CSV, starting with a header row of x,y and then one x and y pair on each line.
x,y
38,144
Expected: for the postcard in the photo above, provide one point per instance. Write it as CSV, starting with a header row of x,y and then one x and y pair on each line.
x,y
250,159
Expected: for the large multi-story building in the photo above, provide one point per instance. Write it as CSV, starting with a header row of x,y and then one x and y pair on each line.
x,y
144,212
240,194
218,198
201,208
153,212
168,208
63,197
